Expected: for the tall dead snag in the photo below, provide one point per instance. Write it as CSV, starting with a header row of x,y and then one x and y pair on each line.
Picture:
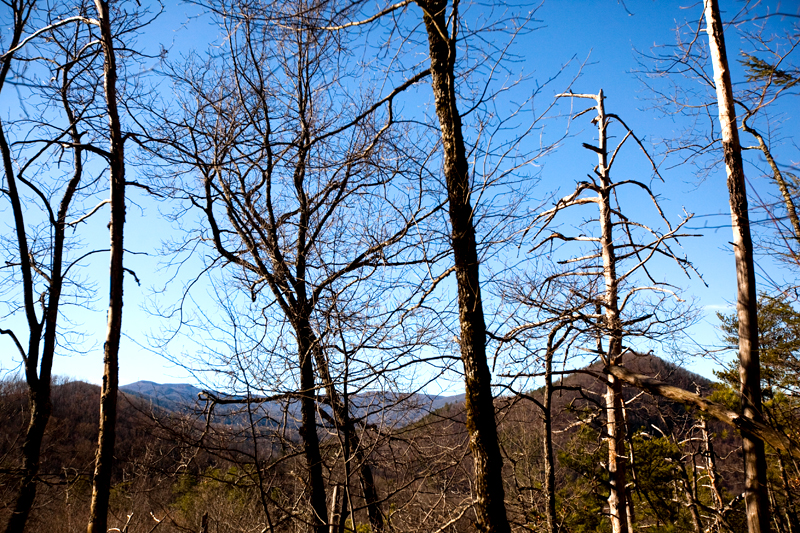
x,y
755,463
101,484
479,403
609,317
599,290
615,420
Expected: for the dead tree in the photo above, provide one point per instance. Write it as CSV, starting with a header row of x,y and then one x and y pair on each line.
x,y
746,301
616,257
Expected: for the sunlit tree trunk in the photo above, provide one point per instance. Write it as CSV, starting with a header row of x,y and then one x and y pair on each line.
x,y
615,418
101,485
755,464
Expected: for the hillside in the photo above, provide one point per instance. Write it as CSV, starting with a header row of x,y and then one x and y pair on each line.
x,y
415,444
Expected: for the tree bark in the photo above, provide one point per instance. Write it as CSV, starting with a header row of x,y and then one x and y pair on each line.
x,y
308,431
549,459
479,403
612,328
101,484
617,464
755,463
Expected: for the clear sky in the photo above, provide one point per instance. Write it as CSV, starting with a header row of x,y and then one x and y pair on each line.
x,y
603,34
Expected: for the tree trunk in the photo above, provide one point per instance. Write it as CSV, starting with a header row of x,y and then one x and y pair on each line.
x,y
617,471
711,469
690,492
791,512
341,413
755,463
479,403
615,418
549,460
38,391
308,431
40,406
101,485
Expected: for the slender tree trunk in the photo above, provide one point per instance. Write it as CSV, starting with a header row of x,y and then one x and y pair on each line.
x,y
341,413
711,470
790,507
698,525
370,492
40,408
549,460
38,390
690,493
777,519
631,459
334,516
38,379
617,501
615,417
755,463
479,403
101,485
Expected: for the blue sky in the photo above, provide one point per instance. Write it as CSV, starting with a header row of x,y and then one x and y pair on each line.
x,y
603,34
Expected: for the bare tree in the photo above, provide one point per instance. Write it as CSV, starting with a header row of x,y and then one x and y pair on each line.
x,y
766,53
481,424
598,293
304,201
559,337
746,301
44,268
101,484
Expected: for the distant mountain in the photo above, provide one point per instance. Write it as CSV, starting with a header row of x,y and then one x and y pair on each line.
x,y
378,407
171,396
399,409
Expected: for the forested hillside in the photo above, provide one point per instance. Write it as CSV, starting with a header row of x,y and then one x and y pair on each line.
x,y
394,267
163,467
